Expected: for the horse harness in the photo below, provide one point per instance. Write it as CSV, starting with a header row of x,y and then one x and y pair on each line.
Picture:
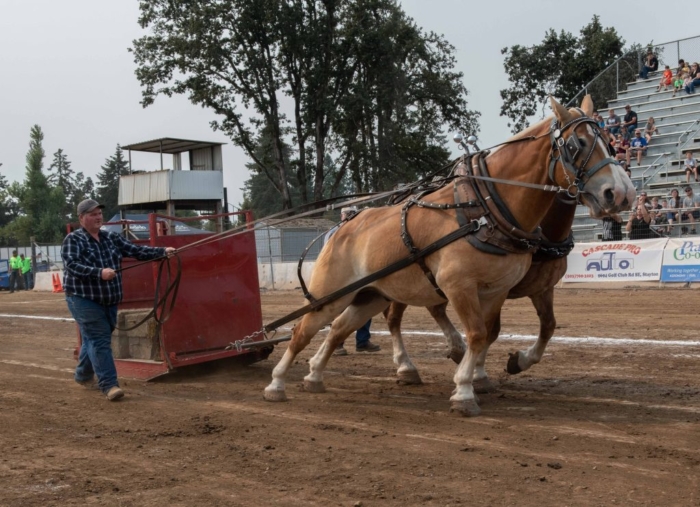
x,y
477,201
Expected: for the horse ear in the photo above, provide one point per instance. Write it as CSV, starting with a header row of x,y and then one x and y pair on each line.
x,y
560,111
587,105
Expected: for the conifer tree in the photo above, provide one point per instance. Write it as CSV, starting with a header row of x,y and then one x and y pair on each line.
x,y
108,182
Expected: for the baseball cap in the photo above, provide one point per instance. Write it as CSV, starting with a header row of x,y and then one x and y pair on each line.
x,y
88,205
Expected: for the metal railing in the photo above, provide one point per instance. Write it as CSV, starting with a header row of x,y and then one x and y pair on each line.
x,y
690,138
659,166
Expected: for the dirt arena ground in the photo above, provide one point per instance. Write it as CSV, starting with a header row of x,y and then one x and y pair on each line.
x,y
596,423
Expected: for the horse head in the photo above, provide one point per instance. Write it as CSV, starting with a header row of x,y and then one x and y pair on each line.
x,y
580,161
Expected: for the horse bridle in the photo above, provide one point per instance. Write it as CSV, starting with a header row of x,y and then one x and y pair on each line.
x,y
570,150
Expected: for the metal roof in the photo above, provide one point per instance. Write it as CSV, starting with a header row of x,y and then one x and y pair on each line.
x,y
169,145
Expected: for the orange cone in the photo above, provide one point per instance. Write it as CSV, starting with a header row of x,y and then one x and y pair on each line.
x,y
56,279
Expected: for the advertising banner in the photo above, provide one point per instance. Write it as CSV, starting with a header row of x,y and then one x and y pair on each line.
x,y
616,261
681,260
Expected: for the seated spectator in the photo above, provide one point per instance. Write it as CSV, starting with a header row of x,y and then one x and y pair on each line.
x,y
659,221
650,129
682,74
691,208
599,119
613,122
693,79
637,147
690,166
621,147
651,64
666,79
629,175
638,224
674,204
612,228
629,125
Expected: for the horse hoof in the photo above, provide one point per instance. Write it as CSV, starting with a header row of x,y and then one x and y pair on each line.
x,y
467,408
513,367
409,377
314,387
456,355
274,395
483,386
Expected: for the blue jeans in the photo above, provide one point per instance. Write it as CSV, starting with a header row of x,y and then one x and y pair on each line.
x,y
28,280
630,130
362,335
644,73
96,324
690,88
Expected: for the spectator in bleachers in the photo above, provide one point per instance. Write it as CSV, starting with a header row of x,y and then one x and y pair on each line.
x,y
613,122
675,203
629,174
650,129
651,64
691,208
599,119
629,125
693,78
691,166
637,147
638,224
621,147
659,221
612,228
666,79
681,75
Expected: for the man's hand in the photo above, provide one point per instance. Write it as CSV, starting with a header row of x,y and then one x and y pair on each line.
x,y
108,274
170,251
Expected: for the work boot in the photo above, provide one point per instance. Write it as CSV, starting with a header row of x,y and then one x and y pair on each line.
x,y
368,346
115,393
340,351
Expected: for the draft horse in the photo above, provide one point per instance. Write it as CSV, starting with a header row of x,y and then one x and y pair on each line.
x,y
564,151
547,268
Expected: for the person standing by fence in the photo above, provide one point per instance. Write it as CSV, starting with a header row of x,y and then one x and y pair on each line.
x,y
93,285
27,272
16,272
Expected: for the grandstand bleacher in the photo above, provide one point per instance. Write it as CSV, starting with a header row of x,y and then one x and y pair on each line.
x,y
678,121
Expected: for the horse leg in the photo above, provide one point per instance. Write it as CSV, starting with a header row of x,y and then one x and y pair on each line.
x,y
454,338
482,383
364,307
478,318
406,373
523,359
301,336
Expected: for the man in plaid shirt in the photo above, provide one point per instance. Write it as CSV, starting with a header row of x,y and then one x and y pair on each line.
x,y
93,286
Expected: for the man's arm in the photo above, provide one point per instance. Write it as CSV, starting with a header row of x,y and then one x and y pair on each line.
x,y
139,252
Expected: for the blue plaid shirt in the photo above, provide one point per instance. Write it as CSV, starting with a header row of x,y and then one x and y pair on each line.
x,y
84,258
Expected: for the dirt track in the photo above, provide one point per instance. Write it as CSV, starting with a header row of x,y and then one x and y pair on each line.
x,y
593,424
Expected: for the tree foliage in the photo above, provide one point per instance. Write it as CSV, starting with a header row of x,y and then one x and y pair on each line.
x,y
561,65
356,81
39,206
108,182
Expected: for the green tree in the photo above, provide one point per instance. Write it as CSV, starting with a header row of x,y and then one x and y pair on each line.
x,y
561,65
62,177
108,182
248,54
40,207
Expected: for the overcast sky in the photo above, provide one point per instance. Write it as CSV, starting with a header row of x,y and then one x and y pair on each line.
x,y
64,65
